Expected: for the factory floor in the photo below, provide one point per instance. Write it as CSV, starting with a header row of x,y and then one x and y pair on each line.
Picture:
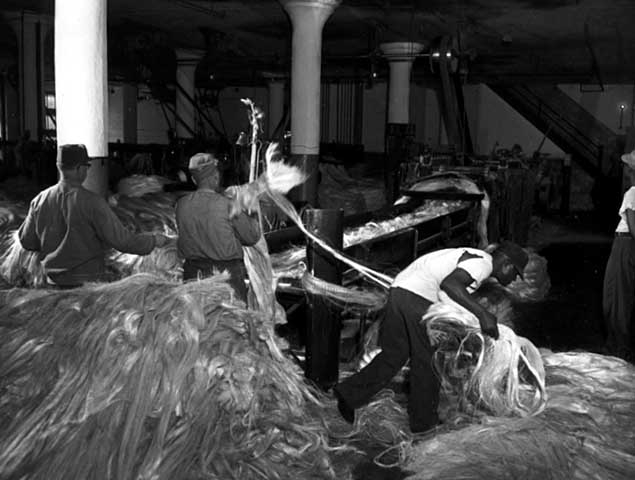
x,y
568,319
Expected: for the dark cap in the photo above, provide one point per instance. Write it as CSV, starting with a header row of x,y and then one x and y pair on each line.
x,y
516,255
72,156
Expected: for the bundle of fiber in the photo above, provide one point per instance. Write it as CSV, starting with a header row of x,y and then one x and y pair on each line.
x,y
455,182
535,283
583,433
502,377
12,213
20,267
151,379
140,185
383,421
163,262
428,210
154,212
367,299
289,263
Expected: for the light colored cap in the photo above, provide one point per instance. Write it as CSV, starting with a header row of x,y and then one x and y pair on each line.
x,y
202,160
629,159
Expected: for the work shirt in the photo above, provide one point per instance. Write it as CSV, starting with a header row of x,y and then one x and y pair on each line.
x,y
72,228
207,232
424,276
628,203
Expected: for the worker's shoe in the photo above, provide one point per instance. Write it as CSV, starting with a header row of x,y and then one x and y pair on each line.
x,y
346,411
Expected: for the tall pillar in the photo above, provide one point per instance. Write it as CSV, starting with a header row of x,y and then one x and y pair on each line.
x,y
308,18
186,62
30,30
400,56
275,86
81,83
129,114
399,131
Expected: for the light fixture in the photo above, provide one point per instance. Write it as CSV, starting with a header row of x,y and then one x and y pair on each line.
x,y
242,139
622,108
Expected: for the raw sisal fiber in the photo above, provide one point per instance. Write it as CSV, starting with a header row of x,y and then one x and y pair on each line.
x,y
151,379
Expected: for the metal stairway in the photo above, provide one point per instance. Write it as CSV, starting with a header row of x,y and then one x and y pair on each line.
x,y
564,121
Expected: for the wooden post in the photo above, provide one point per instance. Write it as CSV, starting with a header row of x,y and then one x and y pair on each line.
x,y
323,322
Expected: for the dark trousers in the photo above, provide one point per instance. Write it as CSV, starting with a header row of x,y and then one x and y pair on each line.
x,y
401,337
200,268
618,295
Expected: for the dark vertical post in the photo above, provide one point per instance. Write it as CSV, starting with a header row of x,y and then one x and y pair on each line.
x,y
323,321
399,140
566,185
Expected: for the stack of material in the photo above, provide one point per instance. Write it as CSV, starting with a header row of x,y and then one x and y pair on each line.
x,y
140,185
337,189
153,212
586,431
150,379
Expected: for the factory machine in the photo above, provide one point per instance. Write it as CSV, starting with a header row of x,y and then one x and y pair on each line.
x,y
385,240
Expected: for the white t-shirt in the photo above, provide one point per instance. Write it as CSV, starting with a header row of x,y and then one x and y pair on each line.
x,y
423,277
628,203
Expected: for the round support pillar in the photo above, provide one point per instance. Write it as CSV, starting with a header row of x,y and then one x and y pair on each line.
x,y
81,83
323,321
308,18
400,56
186,62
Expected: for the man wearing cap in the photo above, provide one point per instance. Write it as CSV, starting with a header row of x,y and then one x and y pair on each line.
x,y
72,228
618,298
210,240
445,275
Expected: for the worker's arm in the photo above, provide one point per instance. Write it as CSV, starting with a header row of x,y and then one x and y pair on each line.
x,y
27,233
630,220
114,234
247,228
455,286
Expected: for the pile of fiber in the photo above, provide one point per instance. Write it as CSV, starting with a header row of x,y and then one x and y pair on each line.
x,y
20,267
585,432
140,185
144,378
503,377
154,212
428,210
535,283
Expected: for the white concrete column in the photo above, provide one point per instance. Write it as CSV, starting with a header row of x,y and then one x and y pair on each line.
x,y
275,87
81,83
308,18
186,62
29,33
400,56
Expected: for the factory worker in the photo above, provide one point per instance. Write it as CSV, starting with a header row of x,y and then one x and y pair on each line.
x,y
618,296
209,240
445,275
72,228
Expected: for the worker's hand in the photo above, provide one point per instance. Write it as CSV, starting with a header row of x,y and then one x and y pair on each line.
x,y
489,325
160,240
